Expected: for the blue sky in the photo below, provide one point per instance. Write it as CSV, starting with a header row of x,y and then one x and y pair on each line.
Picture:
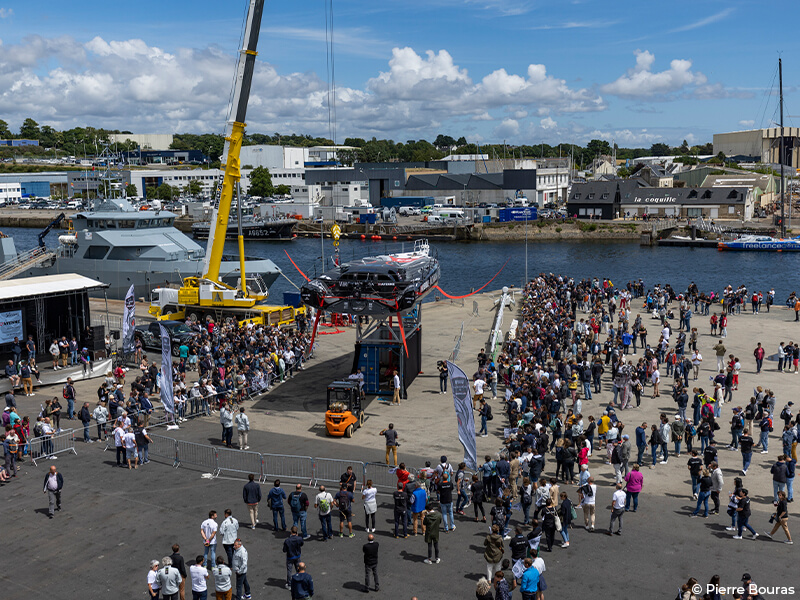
x,y
523,71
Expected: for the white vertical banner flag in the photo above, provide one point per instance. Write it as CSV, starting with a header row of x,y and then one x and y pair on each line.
x,y
128,322
166,371
462,399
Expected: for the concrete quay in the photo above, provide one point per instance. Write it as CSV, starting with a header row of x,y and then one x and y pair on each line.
x,y
115,520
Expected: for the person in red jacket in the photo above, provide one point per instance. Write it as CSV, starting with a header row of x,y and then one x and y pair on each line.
x,y
759,355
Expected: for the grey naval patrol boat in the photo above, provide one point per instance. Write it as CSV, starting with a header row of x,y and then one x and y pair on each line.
x,y
120,246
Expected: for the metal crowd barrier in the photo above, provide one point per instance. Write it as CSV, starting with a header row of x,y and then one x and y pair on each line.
x,y
163,447
286,465
381,474
329,470
42,448
311,470
239,461
198,455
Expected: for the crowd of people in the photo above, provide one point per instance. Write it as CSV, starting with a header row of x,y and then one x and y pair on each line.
x,y
541,476
228,363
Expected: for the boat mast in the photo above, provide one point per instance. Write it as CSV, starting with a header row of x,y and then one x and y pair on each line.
x,y
780,154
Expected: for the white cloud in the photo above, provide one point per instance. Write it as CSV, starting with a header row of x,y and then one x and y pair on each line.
x,y
747,123
626,137
548,123
598,24
509,128
706,21
505,8
6,13
642,82
128,84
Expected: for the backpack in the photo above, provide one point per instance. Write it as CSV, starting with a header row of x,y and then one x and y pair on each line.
x,y
526,496
324,505
294,502
489,415
784,413
738,422
64,393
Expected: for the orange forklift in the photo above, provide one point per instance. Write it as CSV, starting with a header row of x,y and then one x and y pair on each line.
x,y
345,411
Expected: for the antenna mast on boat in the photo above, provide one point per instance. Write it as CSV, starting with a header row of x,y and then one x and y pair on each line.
x,y
780,154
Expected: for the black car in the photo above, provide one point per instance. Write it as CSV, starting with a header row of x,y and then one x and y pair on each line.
x,y
150,334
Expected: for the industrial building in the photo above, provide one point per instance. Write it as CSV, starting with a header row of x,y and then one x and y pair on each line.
x,y
15,186
628,198
16,143
145,141
760,145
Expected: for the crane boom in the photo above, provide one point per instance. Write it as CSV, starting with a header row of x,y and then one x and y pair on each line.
x,y
234,132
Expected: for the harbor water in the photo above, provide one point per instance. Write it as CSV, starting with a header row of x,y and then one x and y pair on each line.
x,y
468,266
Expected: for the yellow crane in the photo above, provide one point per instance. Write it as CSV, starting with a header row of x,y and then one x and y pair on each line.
x,y
208,294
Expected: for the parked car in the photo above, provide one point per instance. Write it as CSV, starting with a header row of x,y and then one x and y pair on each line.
x,y
150,334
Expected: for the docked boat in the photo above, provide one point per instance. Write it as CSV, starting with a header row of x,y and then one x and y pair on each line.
x,y
120,246
379,286
762,243
253,228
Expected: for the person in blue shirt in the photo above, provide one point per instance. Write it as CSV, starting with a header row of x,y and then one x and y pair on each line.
x,y
641,442
529,582
275,500
302,584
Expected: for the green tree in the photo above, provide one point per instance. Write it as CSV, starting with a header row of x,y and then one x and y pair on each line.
x,y
194,188
283,190
444,142
5,132
151,192
597,147
659,149
29,130
131,190
462,141
260,182
164,192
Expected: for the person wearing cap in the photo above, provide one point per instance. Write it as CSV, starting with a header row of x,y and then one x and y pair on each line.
x,y
678,430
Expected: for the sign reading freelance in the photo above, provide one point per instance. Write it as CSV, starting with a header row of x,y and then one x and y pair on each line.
x,y
10,326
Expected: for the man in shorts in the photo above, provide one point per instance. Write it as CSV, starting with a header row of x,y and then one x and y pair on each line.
x,y
343,500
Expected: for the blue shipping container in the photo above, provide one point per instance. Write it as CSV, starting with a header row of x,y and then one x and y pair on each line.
x,y
292,299
412,201
367,218
529,213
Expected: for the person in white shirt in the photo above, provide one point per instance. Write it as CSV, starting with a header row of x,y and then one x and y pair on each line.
x,y
368,495
129,441
242,427
153,586
588,494
323,503
478,384
199,575
208,529
696,360
229,530
617,510
396,397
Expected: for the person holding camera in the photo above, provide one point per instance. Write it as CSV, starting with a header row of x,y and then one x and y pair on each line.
x,y
781,518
